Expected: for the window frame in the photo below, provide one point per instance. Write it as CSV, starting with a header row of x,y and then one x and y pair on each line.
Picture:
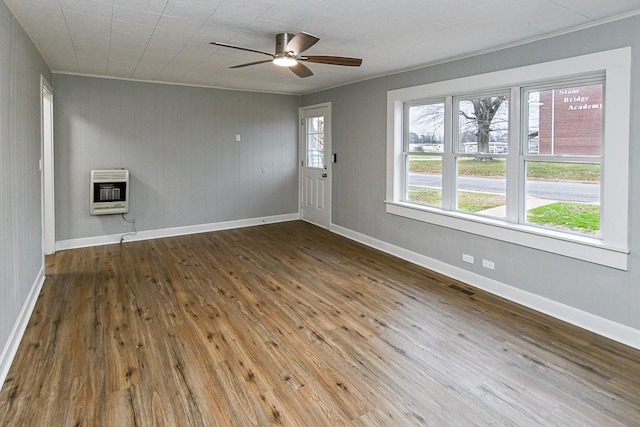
x,y
610,248
457,154
406,149
526,157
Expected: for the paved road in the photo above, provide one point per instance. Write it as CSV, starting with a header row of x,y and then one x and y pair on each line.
x,y
567,191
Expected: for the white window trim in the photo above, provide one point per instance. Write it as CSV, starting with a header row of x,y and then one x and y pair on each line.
x,y
611,248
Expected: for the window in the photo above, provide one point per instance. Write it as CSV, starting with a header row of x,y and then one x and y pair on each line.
x,y
562,160
480,153
520,159
423,148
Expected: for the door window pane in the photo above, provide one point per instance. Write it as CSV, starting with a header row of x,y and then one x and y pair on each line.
x,y
565,121
315,142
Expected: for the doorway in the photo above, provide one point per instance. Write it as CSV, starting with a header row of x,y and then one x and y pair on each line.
x,y
48,208
315,155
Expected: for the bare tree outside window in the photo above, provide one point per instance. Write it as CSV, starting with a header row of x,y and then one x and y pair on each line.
x,y
484,126
426,128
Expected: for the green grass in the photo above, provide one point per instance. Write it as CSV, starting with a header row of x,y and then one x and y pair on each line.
x,y
567,172
580,217
492,169
468,201
496,168
426,196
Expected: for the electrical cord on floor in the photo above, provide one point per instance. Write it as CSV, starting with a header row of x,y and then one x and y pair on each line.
x,y
133,225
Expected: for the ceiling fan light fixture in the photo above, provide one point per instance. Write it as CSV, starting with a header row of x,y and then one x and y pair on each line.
x,y
285,61
288,53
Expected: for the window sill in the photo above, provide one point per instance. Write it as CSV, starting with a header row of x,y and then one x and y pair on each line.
x,y
574,246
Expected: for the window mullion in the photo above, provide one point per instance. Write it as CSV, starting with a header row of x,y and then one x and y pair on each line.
x,y
515,168
405,152
564,159
448,159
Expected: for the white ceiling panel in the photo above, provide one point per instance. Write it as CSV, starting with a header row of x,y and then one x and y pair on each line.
x,y
151,6
123,69
88,7
185,25
118,55
128,41
168,40
134,16
194,52
239,14
209,32
129,28
92,65
189,10
91,50
30,10
87,26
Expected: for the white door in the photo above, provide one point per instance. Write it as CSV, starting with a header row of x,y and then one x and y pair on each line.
x,y
315,188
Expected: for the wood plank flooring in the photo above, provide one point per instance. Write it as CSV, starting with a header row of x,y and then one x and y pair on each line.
x,y
288,324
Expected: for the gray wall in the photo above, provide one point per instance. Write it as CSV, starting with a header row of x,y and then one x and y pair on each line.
x,y
179,145
359,138
20,198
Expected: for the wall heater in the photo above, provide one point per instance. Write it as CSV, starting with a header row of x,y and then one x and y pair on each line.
x,y
109,192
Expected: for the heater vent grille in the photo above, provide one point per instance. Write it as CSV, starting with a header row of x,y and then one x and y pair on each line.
x,y
461,289
109,192
110,175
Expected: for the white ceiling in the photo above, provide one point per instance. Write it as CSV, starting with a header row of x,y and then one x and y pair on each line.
x,y
168,40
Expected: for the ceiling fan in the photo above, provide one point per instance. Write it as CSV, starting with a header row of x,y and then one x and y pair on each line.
x,y
289,48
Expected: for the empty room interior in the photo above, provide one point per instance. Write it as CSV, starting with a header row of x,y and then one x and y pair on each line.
x,y
429,218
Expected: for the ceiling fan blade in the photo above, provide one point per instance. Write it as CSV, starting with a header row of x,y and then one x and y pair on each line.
x,y
301,42
242,48
333,60
252,63
301,70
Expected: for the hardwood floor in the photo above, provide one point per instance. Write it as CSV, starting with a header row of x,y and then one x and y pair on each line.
x,y
289,324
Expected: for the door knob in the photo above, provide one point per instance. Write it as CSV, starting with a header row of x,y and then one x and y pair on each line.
x,y
324,175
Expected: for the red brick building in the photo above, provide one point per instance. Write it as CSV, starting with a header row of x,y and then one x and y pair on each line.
x,y
570,121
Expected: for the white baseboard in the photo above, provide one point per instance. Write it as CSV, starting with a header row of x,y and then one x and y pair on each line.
x,y
19,327
174,231
601,326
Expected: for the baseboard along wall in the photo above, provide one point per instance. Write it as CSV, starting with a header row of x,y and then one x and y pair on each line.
x,y
19,327
599,325
174,231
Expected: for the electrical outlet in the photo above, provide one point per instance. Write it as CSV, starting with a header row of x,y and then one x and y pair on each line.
x,y
237,138
467,258
488,264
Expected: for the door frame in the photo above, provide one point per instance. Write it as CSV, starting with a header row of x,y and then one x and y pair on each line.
x,y
302,155
47,167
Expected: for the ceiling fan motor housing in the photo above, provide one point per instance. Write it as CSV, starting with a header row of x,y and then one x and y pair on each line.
x,y
282,40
